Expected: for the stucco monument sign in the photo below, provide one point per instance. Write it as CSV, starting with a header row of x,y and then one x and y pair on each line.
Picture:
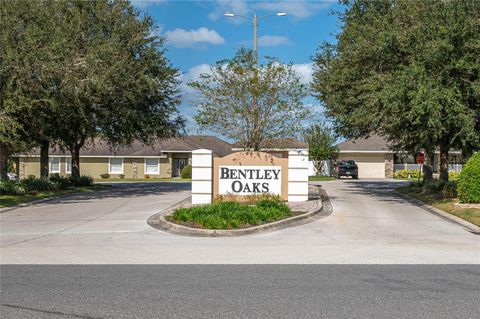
x,y
247,173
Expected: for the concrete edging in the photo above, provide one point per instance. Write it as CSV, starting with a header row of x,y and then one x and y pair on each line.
x,y
158,221
449,217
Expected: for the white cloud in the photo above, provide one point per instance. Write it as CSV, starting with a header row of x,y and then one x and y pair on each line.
x,y
181,38
234,6
298,9
272,40
305,71
192,75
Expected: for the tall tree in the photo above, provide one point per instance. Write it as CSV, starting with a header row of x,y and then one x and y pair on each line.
x,y
26,70
115,81
321,145
408,70
251,104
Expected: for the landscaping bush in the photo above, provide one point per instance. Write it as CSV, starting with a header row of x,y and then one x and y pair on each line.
x,y
105,175
147,176
186,172
453,176
434,186
63,182
407,173
82,181
230,214
11,188
450,189
469,181
121,176
33,184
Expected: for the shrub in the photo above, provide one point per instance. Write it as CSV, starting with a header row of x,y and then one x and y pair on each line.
x,y
434,186
82,181
469,181
61,181
450,189
186,172
11,188
32,184
122,176
453,176
105,175
407,173
147,176
227,215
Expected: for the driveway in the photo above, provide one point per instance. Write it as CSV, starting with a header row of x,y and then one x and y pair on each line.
x,y
369,224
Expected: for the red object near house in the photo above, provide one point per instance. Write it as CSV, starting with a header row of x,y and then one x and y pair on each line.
x,y
420,158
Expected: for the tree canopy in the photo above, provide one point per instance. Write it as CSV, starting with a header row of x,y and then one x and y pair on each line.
x,y
102,72
321,145
408,70
251,104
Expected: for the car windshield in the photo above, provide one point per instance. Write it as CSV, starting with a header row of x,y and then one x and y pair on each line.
x,y
344,163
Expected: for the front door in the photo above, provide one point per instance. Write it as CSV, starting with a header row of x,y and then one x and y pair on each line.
x,y
178,165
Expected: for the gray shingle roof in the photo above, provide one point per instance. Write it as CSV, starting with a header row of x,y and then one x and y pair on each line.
x,y
176,144
280,143
373,143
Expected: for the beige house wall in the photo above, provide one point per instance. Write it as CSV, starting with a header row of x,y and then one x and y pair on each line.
x,y
95,166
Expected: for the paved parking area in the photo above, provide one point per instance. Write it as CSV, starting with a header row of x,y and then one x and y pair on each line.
x,y
369,225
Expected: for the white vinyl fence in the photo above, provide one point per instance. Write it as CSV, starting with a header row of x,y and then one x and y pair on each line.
x,y
416,167
399,167
325,171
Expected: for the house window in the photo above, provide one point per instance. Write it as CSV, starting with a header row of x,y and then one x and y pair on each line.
x,y
68,165
152,166
54,165
116,166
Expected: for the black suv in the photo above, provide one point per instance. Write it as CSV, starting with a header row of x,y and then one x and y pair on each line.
x,y
347,168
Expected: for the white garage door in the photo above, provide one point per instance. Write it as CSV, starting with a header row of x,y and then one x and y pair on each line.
x,y
369,165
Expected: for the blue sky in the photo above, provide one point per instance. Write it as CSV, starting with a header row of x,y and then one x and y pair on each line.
x,y
198,34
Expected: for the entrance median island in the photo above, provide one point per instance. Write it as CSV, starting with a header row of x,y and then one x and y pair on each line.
x,y
229,214
227,217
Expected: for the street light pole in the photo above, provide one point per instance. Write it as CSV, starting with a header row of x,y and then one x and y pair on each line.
x,y
256,111
255,40
255,28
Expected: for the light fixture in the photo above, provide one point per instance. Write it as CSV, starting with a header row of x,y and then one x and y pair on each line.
x,y
228,14
281,14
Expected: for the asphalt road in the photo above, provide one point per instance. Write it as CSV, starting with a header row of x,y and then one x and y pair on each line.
x,y
369,224
248,291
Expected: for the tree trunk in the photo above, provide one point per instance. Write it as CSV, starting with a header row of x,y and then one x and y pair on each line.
x,y
44,146
428,167
75,152
318,167
444,148
3,161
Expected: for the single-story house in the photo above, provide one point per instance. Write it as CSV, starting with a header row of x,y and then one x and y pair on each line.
x,y
165,158
376,159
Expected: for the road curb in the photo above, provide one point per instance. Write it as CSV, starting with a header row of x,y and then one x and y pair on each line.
x,y
323,209
474,229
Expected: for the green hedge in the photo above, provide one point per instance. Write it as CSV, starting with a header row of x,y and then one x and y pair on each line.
x,y
186,172
406,173
469,181
32,185
231,215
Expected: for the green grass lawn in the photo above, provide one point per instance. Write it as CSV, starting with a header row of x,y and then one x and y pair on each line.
x,y
320,178
12,200
446,204
119,180
230,215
